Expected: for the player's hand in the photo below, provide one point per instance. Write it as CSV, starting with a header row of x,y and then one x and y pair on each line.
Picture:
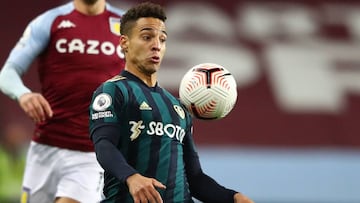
x,y
143,189
35,106
240,198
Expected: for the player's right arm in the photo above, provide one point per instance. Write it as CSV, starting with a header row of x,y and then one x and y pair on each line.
x,y
106,135
33,41
141,188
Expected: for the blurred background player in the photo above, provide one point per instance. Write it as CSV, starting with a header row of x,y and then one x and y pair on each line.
x,y
142,134
76,47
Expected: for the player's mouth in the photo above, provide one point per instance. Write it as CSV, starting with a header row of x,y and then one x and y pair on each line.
x,y
155,59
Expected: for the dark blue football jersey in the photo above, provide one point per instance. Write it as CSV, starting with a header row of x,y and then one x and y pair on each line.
x,y
155,129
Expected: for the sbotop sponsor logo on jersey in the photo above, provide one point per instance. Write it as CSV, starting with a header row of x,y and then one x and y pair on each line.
x,y
91,47
158,129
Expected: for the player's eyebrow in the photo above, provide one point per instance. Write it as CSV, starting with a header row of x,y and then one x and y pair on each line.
x,y
151,29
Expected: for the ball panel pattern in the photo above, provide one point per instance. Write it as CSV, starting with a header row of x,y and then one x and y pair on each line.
x,y
208,91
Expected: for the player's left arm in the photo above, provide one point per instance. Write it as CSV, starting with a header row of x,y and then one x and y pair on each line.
x,y
202,186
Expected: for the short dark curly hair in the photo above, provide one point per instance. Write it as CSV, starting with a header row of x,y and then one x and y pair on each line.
x,y
142,10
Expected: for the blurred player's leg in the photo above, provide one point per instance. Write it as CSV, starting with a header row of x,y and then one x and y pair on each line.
x,y
38,177
53,172
83,177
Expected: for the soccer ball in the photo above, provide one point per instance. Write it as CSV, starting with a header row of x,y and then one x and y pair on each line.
x,y
208,91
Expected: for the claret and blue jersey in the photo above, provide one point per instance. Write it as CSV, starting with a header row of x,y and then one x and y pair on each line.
x,y
71,49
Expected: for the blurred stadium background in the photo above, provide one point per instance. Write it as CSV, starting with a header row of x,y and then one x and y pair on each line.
x,y
294,135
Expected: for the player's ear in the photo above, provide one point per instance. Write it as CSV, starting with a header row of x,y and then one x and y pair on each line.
x,y
124,40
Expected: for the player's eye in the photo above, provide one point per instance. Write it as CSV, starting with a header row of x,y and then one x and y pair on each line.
x,y
163,39
146,37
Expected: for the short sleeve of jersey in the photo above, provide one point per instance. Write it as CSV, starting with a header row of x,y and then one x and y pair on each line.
x,y
106,105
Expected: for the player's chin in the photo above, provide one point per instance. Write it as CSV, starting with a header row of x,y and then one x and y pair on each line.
x,y
90,2
150,69
153,66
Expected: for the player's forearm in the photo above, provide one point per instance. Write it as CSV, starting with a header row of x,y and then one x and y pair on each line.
x,y
109,157
208,190
11,83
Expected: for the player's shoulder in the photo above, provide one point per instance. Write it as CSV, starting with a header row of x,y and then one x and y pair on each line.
x,y
114,86
116,78
46,18
59,10
114,9
116,81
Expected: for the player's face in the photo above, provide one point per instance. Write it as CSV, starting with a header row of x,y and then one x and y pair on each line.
x,y
147,45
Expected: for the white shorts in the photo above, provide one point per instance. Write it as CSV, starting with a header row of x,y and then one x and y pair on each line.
x,y
54,172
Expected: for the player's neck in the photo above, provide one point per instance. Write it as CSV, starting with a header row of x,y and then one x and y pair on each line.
x,y
95,9
149,80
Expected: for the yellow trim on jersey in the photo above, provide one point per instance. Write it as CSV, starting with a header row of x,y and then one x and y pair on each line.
x,y
116,78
